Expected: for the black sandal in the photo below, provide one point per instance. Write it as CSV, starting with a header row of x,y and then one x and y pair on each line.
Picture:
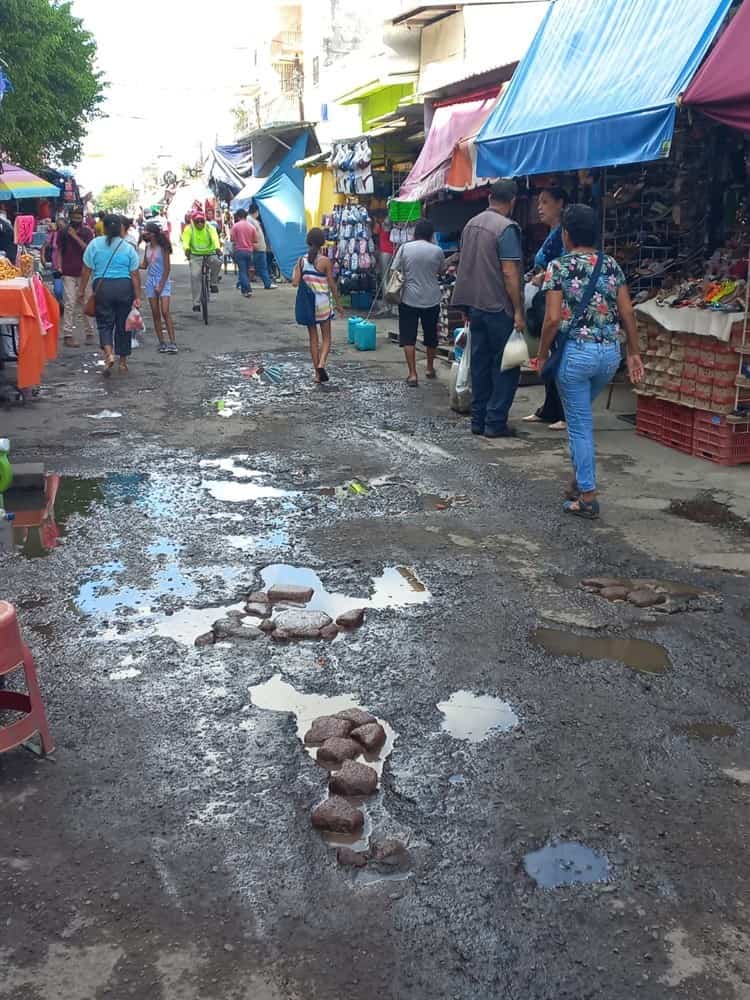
x,y
323,375
579,507
413,383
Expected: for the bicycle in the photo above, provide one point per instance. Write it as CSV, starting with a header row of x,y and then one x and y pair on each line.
x,y
205,288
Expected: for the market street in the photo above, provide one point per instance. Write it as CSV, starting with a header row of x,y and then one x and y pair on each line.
x,y
166,850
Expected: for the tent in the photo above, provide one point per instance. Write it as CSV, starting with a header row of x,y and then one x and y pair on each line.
x,y
721,88
281,202
599,85
450,124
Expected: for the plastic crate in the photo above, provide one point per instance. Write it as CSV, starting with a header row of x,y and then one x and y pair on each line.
x,y
648,417
677,427
719,441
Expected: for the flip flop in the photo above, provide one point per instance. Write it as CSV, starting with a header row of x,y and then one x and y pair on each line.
x,y
430,374
588,509
413,383
323,375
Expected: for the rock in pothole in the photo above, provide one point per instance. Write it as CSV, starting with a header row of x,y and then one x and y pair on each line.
x,y
329,632
371,736
349,858
335,751
224,627
356,715
254,610
302,624
389,851
258,597
600,582
327,727
351,619
207,639
354,778
289,592
617,593
279,635
337,815
645,598
267,625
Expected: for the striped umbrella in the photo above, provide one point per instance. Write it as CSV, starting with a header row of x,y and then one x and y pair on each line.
x,y
18,183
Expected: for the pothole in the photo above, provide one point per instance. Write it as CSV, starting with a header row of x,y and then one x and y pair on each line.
x,y
706,731
40,517
705,510
665,596
474,717
566,862
636,654
246,485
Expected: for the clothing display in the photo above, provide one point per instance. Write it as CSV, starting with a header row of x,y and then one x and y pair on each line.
x,y
351,247
352,163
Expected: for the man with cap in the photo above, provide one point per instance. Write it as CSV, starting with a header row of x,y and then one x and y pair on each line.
x,y
199,241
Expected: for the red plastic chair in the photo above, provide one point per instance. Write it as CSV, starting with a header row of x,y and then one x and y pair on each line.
x,y
14,654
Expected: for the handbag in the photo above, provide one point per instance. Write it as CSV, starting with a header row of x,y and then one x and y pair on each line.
x,y
89,308
552,364
394,286
304,305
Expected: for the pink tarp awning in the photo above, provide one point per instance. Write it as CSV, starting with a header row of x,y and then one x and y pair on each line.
x,y
721,87
449,124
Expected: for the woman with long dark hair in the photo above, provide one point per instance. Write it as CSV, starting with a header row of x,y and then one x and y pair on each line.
x,y
157,262
113,264
316,271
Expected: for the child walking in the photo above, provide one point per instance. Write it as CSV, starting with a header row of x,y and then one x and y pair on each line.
x,y
157,261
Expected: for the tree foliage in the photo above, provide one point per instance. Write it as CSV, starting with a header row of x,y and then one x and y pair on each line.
x,y
113,198
56,88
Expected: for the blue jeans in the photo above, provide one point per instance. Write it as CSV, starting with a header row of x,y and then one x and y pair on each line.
x,y
260,261
243,259
586,368
492,391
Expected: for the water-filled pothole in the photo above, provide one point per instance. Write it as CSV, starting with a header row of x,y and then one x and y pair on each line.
x,y
706,731
566,862
41,517
474,717
636,654
247,484
396,587
276,695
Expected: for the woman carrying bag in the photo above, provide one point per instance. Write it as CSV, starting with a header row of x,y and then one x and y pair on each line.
x,y
316,292
587,303
113,263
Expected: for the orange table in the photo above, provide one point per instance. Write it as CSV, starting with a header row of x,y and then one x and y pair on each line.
x,y
35,346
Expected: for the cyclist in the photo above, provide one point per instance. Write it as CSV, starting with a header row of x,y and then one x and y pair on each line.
x,y
200,241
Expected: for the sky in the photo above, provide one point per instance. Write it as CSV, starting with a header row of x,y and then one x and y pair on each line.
x,y
171,84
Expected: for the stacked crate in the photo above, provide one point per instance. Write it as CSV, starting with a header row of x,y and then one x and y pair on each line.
x,y
689,392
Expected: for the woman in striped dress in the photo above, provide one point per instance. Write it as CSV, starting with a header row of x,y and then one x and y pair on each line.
x,y
316,271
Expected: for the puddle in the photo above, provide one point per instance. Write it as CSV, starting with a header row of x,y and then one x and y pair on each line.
x,y
705,510
637,654
104,415
276,695
475,717
125,675
104,594
231,492
396,587
706,731
257,543
41,518
566,862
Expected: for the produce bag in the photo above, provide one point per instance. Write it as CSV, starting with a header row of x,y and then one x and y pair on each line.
x,y
516,352
460,379
134,323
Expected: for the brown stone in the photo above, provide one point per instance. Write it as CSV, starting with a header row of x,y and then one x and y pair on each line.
x,y
351,859
335,751
337,815
302,624
354,778
356,715
279,635
389,851
351,619
326,728
267,626
371,736
224,627
329,632
245,632
235,613
288,592
646,598
207,639
258,597
600,582
255,610
618,593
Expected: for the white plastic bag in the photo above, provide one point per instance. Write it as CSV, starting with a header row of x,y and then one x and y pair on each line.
x,y
516,352
134,323
460,381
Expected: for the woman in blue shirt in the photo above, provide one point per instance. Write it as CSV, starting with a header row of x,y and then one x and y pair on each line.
x,y
113,264
551,204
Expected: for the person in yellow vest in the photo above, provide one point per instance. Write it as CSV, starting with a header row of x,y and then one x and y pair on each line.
x,y
199,241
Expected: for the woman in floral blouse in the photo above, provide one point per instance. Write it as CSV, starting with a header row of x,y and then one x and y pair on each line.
x,y
591,344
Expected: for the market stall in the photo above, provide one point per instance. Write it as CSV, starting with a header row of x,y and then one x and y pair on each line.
x,y
29,328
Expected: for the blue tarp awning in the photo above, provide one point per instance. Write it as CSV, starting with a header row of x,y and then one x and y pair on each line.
x,y
598,86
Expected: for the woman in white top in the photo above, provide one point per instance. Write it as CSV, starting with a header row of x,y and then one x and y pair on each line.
x,y
421,262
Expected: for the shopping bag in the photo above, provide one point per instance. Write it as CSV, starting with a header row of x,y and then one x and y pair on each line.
x,y
134,323
516,352
460,380
394,287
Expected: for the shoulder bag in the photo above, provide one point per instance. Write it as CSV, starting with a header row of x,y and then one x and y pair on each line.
x,y
89,308
552,364
304,305
394,286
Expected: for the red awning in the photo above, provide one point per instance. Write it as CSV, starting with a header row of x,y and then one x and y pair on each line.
x,y
721,87
450,124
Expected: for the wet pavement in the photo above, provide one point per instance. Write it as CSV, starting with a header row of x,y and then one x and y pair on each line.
x,y
564,789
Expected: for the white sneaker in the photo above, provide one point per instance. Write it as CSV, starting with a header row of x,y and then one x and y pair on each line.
x,y
272,285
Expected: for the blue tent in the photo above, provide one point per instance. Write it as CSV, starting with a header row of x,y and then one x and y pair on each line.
x,y
282,206
598,86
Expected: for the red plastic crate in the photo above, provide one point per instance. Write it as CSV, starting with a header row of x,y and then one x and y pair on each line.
x,y
719,441
648,416
677,427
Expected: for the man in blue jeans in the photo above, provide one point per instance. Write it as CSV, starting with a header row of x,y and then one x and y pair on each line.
x,y
488,289
260,254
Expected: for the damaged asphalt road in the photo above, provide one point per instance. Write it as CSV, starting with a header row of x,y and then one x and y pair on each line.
x,y
166,850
